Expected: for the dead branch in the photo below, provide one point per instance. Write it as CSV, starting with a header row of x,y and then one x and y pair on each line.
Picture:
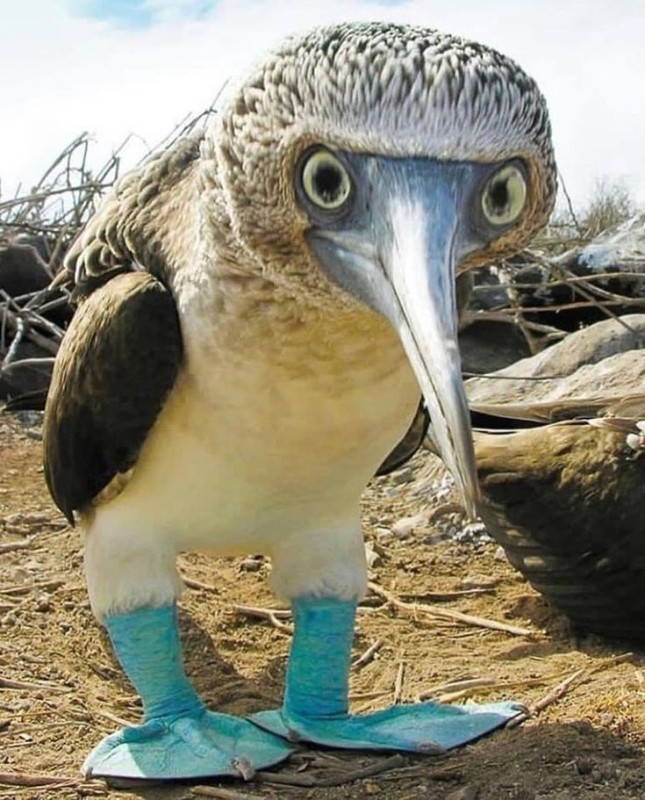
x,y
9,547
222,794
273,615
302,779
553,696
8,683
369,654
414,609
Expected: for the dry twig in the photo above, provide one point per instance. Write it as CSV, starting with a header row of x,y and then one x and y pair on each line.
x,y
553,696
414,609
193,583
9,547
369,654
26,779
300,779
222,794
273,615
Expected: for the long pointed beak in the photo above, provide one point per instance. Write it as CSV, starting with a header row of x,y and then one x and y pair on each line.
x,y
422,272
401,261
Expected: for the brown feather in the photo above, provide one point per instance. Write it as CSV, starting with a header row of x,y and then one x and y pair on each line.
x,y
566,503
115,367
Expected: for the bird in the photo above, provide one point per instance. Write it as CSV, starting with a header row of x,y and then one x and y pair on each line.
x,y
561,486
564,499
261,306
565,502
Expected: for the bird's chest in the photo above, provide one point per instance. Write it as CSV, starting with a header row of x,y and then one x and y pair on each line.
x,y
311,395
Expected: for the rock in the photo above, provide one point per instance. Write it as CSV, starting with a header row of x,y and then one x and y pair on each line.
x,y
622,245
372,555
252,563
500,554
22,270
479,581
465,793
405,526
603,361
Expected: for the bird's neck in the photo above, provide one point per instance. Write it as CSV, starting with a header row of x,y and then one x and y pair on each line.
x,y
248,319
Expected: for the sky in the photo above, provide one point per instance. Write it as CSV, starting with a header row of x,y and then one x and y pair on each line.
x,y
120,68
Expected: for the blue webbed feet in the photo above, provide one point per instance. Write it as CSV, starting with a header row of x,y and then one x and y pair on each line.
x,y
179,738
187,746
420,728
316,706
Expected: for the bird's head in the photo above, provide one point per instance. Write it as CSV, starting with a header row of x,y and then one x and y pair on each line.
x,y
379,162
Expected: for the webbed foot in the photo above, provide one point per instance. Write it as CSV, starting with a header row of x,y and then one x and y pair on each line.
x,y
423,727
186,746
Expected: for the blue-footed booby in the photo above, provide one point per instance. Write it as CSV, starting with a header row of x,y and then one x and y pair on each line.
x,y
262,306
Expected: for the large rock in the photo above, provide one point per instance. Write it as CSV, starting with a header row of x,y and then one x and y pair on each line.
x,y
605,361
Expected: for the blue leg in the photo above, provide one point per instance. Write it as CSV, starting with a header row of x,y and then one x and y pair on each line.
x,y
179,737
315,705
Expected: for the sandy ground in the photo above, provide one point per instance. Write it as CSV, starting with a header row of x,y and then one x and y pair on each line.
x,y
61,690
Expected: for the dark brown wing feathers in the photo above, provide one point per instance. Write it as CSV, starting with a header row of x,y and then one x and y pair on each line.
x,y
115,367
410,443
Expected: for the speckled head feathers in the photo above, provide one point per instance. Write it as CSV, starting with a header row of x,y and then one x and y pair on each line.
x,y
387,89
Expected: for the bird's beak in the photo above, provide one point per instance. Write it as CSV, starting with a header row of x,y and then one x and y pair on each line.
x,y
403,264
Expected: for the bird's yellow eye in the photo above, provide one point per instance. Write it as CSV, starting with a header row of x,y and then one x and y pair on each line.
x,y
325,181
504,196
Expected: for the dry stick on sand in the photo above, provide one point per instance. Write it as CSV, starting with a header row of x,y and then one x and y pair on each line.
x,y
579,676
8,683
398,681
25,779
369,654
414,609
273,615
25,588
192,583
555,694
9,547
301,779
223,794
457,690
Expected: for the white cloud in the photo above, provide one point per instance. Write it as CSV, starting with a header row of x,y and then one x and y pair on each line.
x,y
70,73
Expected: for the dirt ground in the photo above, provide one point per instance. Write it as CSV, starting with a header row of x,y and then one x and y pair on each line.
x,y
61,690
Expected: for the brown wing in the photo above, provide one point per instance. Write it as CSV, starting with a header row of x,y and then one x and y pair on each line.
x,y
410,443
123,349
565,502
115,367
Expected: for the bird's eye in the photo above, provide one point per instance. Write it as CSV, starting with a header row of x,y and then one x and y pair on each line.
x,y
504,196
325,180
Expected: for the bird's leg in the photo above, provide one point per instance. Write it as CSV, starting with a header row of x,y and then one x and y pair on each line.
x,y
179,737
315,705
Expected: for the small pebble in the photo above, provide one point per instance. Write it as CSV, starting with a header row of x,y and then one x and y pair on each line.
x,y
371,556
43,603
479,582
465,793
402,476
500,554
406,525
252,564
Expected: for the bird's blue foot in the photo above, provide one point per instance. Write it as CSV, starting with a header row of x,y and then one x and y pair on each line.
x,y
187,746
179,737
419,728
316,698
